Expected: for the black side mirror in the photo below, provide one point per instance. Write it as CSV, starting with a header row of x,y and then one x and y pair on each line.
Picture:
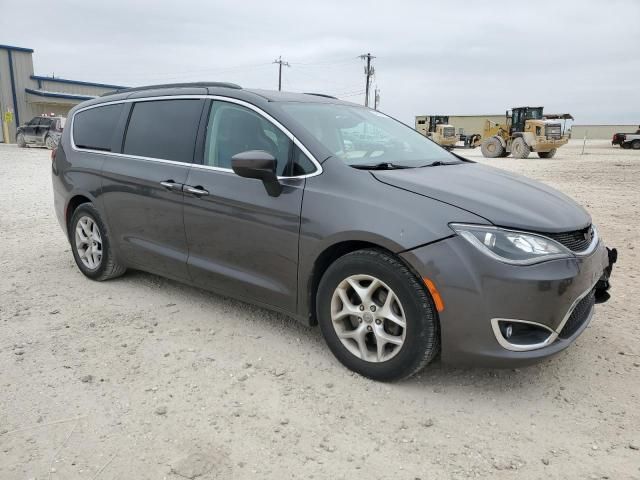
x,y
260,165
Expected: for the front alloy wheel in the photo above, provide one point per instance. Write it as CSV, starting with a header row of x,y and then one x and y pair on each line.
x,y
376,315
368,318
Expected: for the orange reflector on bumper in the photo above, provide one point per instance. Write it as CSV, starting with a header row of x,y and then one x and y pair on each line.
x,y
435,294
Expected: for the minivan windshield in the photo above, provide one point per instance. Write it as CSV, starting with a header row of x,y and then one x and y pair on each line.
x,y
365,138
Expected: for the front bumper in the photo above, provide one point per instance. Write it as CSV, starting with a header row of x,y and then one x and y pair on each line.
x,y
477,290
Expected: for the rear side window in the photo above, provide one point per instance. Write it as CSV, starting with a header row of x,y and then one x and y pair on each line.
x,y
94,128
164,129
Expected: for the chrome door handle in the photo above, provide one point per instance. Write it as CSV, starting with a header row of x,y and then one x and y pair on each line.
x,y
171,185
197,191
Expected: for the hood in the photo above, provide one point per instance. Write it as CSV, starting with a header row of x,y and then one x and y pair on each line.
x,y
505,199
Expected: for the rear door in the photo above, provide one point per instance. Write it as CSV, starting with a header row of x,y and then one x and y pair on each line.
x,y
142,186
241,240
29,130
42,129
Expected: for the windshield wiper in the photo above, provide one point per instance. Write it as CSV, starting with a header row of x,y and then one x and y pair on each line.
x,y
381,166
438,163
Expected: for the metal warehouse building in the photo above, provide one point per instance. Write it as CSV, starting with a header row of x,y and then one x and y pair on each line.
x,y
25,95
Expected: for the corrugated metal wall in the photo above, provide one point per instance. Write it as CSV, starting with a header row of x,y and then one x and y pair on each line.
x,y
600,132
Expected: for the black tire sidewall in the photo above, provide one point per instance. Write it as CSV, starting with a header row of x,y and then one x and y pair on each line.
x,y
88,210
421,330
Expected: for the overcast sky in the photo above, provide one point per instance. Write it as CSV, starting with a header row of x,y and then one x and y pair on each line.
x,y
478,57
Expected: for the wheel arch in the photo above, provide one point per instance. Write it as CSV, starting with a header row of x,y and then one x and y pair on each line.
x,y
332,253
74,202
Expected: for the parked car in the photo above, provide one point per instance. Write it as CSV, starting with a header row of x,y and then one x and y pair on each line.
x,y
43,131
398,249
627,140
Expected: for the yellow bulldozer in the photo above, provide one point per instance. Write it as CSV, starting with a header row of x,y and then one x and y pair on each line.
x,y
525,130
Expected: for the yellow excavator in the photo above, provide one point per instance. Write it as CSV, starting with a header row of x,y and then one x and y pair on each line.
x,y
525,130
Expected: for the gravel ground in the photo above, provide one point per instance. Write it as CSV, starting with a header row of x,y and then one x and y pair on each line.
x,y
145,378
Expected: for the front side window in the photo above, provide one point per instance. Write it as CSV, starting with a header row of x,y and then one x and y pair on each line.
x,y
164,129
94,128
234,129
361,137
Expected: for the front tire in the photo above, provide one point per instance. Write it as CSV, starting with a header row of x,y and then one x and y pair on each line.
x,y
376,316
91,245
21,141
492,148
519,148
548,154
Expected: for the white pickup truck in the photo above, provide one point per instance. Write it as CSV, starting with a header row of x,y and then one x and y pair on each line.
x,y
627,140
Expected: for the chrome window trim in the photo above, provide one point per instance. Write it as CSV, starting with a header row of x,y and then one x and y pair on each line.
x,y
554,333
222,98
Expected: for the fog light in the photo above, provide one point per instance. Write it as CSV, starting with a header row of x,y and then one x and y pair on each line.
x,y
508,331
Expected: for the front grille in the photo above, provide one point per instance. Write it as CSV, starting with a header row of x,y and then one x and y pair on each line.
x,y
576,241
579,315
449,131
553,131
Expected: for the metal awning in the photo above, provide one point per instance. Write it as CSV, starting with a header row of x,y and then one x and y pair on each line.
x,y
46,96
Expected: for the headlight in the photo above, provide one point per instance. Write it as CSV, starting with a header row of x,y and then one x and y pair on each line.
x,y
510,246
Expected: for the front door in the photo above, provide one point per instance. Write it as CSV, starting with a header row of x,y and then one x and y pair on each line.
x,y
142,186
241,240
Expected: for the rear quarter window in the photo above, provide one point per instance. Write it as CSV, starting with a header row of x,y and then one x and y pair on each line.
x,y
164,129
94,128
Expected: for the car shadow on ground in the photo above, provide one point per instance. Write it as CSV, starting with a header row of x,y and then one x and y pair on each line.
x,y
436,376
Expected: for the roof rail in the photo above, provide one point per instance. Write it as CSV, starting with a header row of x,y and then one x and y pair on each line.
x,y
321,95
174,85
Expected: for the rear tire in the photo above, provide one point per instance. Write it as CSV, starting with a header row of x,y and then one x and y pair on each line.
x,y
357,327
492,148
91,245
548,154
635,144
49,142
519,148
21,141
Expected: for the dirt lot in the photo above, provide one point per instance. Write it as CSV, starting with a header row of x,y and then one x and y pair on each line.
x,y
144,378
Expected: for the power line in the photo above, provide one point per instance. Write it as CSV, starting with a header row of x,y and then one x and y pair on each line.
x,y
368,71
280,63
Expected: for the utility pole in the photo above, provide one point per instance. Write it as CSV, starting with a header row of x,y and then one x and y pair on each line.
x,y
376,98
280,63
368,71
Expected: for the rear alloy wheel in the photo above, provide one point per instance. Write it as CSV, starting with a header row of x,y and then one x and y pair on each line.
x,y
492,148
20,141
49,142
519,148
376,316
548,154
635,144
91,245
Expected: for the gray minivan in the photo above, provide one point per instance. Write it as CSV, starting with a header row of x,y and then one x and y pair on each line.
x,y
334,214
